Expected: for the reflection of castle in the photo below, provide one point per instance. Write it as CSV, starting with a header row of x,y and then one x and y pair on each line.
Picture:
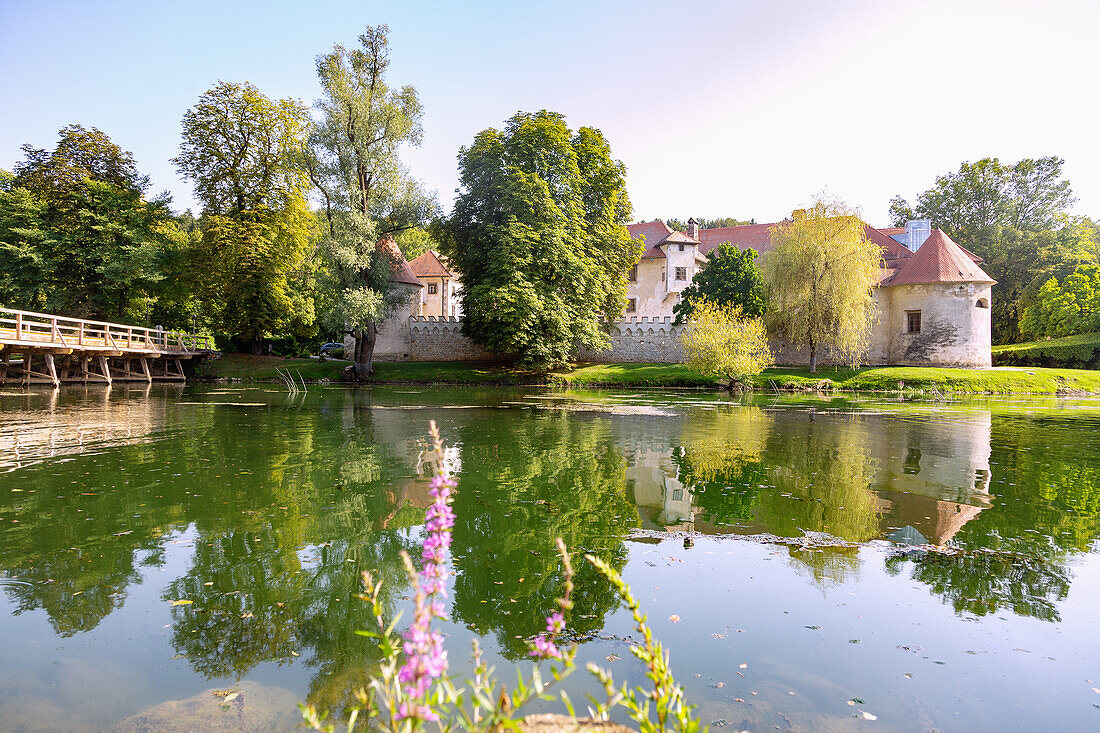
x,y
930,477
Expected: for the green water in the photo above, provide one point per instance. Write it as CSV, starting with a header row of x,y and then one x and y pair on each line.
x,y
810,523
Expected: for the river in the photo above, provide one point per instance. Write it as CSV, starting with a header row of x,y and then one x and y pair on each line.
x,y
846,563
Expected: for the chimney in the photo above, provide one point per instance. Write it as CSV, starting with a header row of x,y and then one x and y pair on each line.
x,y
916,231
693,228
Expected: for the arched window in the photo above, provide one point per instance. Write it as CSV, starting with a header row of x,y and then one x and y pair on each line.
x,y
982,303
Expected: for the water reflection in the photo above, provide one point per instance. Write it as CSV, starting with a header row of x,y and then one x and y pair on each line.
x,y
280,504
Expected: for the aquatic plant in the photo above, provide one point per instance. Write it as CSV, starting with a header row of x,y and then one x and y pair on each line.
x,y
411,688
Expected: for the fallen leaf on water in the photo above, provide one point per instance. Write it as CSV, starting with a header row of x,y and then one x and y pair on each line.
x,y
230,696
181,602
209,583
744,666
718,685
223,693
815,627
867,716
612,657
718,636
674,619
738,699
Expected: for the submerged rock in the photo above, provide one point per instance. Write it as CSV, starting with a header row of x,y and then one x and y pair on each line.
x,y
247,706
564,724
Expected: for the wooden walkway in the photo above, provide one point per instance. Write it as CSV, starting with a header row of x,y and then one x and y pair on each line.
x,y
40,348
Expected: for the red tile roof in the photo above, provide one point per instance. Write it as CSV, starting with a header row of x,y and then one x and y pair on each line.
x,y
896,256
939,260
402,273
429,265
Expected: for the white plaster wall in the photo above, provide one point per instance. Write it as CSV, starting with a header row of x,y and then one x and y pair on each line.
x,y
676,258
650,291
954,332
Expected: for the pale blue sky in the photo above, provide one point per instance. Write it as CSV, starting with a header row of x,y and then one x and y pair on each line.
x,y
739,109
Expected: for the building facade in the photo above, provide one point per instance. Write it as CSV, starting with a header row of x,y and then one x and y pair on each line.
x,y
933,301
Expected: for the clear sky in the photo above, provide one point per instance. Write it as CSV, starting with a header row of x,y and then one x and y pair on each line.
x,y
743,109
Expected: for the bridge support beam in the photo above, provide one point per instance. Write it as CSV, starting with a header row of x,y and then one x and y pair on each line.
x,y
51,369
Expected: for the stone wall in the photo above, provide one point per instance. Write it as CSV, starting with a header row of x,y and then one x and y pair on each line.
x,y
955,332
640,340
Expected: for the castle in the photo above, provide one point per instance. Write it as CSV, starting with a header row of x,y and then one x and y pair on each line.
x,y
933,300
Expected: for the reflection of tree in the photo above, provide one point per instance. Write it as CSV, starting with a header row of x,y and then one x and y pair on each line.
x,y
984,582
1013,555
822,483
553,475
720,459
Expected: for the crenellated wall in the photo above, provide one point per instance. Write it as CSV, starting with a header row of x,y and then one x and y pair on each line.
x,y
656,339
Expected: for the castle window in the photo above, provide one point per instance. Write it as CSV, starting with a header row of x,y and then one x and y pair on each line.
x,y
681,273
631,305
432,287
681,248
912,321
632,275
982,303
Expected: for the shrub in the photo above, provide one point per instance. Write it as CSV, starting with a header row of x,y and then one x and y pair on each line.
x,y
1070,352
725,343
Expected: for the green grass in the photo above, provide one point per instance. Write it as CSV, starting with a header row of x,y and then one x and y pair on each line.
x,y
1081,350
998,380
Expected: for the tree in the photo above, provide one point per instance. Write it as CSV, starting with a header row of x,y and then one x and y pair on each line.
x,y
538,233
727,221
77,234
730,278
244,152
1014,217
1066,308
1029,194
367,193
819,273
725,342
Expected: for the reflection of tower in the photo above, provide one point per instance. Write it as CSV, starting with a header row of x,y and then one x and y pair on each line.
x,y
654,478
935,475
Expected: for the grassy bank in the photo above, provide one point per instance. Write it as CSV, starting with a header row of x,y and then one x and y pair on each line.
x,y
999,380
1080,351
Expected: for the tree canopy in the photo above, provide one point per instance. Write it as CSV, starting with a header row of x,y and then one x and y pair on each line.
x,y
355,163
1029,194
78,235
1016,217
820,272
538,233
727,221
730,278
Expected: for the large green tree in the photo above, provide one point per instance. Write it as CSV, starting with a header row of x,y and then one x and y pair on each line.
x,y
730,278
820,272
538,233
1030,194
354,161
77,233
1016,218
245,154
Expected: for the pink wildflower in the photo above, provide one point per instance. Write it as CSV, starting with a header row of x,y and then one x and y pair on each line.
x,y
425,659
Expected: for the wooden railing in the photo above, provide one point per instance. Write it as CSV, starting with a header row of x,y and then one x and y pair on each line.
x,y
46,330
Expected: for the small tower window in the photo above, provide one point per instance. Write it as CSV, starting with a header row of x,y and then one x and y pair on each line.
x,y
681,248
982,303
681,273
632,275
912,321
432,288
631,305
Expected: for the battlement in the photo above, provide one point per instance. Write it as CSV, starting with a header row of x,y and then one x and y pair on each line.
x,y
434,324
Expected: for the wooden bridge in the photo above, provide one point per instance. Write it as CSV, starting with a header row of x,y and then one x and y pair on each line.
x,y
39,348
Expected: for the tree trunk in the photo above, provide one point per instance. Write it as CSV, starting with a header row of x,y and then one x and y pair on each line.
x,y
813,356
364,351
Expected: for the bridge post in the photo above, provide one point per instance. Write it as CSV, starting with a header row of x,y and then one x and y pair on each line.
x,y
106,369
145,369
51,370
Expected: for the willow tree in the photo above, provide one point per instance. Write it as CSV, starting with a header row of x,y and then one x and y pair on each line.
x,y
538,233
820,272
365,190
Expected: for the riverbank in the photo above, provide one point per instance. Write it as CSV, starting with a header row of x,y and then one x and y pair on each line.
x,y
998,380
